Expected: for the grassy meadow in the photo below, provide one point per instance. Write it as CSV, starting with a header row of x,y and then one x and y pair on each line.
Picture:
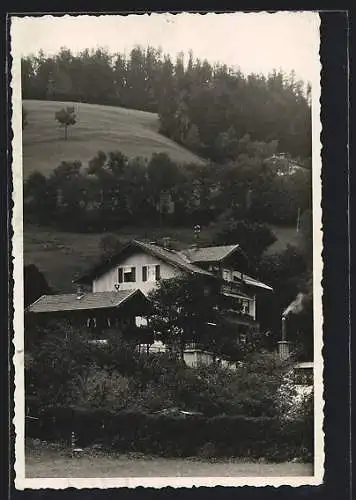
x,y
134,133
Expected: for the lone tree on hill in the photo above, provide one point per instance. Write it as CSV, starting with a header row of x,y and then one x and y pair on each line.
x,y
66,117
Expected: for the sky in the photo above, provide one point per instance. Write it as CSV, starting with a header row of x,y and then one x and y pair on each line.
x,y
253,42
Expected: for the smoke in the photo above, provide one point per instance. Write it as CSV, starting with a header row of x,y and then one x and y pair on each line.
x,y
296,306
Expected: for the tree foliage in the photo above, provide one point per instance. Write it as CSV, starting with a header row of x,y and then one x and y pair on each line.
x,y
113,190
253,237
191,309
66,117
66,370
35,284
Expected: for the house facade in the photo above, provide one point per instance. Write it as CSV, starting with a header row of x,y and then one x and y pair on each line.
x,y
141,265
114,294
96,312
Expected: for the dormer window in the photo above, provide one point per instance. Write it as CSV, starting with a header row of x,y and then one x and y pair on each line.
x,y
127,275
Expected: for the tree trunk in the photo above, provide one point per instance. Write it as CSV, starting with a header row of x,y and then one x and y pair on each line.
x,y
181,349
65,132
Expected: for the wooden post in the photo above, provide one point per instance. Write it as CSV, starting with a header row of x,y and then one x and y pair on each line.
x,y
73,442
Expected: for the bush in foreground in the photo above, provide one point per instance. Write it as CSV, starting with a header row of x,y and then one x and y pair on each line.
x,y
221,436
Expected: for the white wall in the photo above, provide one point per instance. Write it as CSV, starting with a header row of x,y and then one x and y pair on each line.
x,y
195,358
105,283
253,307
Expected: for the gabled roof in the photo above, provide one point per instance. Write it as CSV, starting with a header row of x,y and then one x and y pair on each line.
x,y
210,254
171,257
87,301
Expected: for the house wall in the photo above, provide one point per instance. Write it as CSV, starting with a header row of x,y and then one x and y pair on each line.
x,y
106,282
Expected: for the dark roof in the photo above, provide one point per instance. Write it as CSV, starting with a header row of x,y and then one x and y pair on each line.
x,y
88,301
210,254
176,259
173,257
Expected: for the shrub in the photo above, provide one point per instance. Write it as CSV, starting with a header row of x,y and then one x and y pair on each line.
x,y
222,436
253,237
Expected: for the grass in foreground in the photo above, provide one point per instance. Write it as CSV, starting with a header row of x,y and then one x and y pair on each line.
x,y
46,462
106,128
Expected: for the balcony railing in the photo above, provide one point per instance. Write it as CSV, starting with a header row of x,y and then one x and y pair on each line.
x,y
195,346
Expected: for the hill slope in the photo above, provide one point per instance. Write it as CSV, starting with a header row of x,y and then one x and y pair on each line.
x,y
134,133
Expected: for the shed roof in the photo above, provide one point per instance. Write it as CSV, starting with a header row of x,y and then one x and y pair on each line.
x,y
173,257
83,302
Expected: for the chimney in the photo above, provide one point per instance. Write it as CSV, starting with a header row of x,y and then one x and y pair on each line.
x,y
196,230
80,292
283,345
283,350
284,329
167,242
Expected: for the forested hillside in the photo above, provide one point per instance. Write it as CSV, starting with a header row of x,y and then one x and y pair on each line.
x,y
205,107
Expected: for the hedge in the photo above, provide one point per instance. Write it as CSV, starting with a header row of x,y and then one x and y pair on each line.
x,y
220,436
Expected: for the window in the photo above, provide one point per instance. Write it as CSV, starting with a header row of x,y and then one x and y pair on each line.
x,y
141,321
127,274
151,272
91,322
226,275
245,306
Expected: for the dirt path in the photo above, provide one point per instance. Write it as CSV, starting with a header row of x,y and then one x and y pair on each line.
x,y
50,463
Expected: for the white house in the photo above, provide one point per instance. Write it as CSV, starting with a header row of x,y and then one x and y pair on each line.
x,y
140,265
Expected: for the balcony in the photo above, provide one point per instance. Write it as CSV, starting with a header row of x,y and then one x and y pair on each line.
x,y
231,288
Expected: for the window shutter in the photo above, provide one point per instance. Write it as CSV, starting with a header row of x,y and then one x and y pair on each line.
x,y
144,273
120,275
133,273
158,272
